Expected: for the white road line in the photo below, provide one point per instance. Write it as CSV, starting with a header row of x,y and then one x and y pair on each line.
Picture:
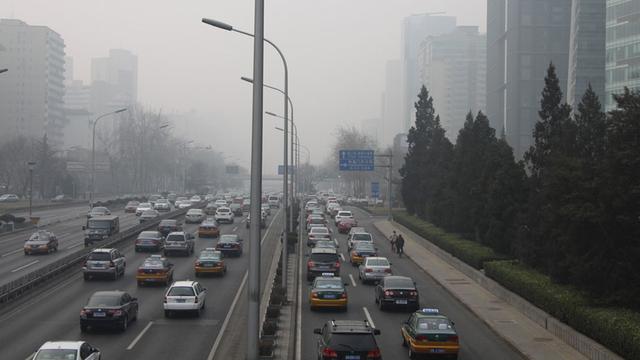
x,y
72,246
25,266
353,281
234,229
299,310
342,257
135,341
12,252
366,313
227,318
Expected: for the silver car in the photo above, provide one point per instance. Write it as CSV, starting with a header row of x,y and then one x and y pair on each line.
x,y
104,262
179,241
373,269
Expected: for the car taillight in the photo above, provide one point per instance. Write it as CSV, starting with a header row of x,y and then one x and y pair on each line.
x,y
373,354
330,353
421,338
310,263
115,312
344,295
165,299
314,294
337,264
368,270
84,264
453,338
140,271
388,293
198,263
84,313
413,293
112,264
195,299
387,270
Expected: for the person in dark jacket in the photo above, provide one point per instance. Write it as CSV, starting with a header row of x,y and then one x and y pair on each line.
x,y
400,245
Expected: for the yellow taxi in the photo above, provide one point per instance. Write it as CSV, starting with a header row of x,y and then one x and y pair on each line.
x,y
210,262
427,332
360,251
155,269
208,228
328,291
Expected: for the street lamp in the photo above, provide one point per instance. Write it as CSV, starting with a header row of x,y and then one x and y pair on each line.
x,y
93,153
32,165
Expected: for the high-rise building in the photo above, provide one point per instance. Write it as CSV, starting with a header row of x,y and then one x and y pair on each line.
x,y
415,29
586,49
523,38
453,68
622,68
114,81
391,103
31,92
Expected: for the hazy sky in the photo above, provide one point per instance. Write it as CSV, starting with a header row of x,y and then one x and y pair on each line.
x,y
336,50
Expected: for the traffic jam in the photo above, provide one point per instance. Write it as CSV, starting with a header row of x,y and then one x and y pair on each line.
x,y
343,260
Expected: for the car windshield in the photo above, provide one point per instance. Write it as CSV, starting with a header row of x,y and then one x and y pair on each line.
x,y
148,235
153,264
324,257
144,205
223,210
344,213
431,324
175,237
377,262
99,224
104,300
317,221
399,283
364,247
328,284
194,212
168,223
352,342
362,237
181,291
319,230
56,354
209,255
228,238
39,236
100,256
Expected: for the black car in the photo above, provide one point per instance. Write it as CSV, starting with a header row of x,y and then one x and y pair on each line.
x,y
169,225
322,261
347,339
397,291
109,309
149,241
229,245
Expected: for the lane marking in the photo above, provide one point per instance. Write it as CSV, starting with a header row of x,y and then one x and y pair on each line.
x,y
366,313
299,310
25,266
72,246
135,341
353,281
12,252
235,229
342,257
227,318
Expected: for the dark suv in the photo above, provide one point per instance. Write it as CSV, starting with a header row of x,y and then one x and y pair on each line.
x,y
347,339
322,261
397,291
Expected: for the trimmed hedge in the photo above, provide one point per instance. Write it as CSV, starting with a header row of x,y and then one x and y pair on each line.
x,y
618,329
471,252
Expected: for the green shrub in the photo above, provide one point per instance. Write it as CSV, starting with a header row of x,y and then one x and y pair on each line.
x,y
470,252
617,329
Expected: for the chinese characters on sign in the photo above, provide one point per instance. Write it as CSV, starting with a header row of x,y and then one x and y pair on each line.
x,y
356,160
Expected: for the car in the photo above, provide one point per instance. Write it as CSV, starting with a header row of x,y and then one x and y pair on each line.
x,y
360,251
332,206
41,242
326,244
172,198
310,206
154,198
155,269
107,262
209,197
178,241
224,214
148,215
342,215
183,204
210,209
266,208
142,207
9,198
315,220
221,203
61,198
318,233
359,237
208,228
355,229
183,296
210,262
328,291
274,201
195,199
131,207
428,332
397,291
162,205
346,224
99,228
67,350
229,244
347,339
321,261
236,209
246,206
98,211
194,216
149,241
169,225
113,309
373,269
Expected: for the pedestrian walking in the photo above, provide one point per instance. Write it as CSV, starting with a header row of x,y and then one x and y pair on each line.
x,y
392,239
400,245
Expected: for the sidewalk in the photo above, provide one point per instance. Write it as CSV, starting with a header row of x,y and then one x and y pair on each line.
x,y
525,335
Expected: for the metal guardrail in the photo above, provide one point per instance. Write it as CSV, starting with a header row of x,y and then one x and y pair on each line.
x,y
17,287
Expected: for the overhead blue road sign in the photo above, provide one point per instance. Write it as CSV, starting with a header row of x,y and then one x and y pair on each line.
x,y
375,190
356,160
291,169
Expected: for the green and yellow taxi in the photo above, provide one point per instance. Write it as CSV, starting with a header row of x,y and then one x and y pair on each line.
x,y
155,269
210,262
428,332
328,291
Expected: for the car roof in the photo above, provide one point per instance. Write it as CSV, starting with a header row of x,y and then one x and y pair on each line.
x,y
62,345
350,326
323,251
183,283
109,292
177,233
102,250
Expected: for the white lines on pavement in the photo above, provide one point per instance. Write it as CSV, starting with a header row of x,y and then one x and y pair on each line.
x,y
366,313
353,281
72,246
30,357
342,257
235,229
25,266
135,341
12,252
243,220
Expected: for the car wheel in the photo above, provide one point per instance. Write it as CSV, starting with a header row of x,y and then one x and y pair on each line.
x,y
197,274
140,283
167,313
86,276
115,275
404,341
125,323
137,249
412,355
381,305
83,328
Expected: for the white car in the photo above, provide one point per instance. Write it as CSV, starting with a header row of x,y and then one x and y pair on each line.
x,y
359,237
343,214
224,214
194,216
183,204
67,350
195,199
374,269
184,296
274,201
9,198
332,206
143,207
221,203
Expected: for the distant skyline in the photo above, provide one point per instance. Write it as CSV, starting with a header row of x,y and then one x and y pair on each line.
x,y
336,50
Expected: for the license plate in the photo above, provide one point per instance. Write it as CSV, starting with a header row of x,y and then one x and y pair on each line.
x,y
180,300
401,302
99,314
329,296
437,351
352,357
209,265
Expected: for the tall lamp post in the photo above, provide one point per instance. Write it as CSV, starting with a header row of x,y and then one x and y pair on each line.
x,y
32,165
93,153
253,316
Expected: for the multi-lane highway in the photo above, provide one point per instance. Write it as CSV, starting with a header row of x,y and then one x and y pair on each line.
x,y
53,312
477,341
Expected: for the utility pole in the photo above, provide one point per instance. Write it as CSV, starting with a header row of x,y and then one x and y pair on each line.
x,y
389,182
